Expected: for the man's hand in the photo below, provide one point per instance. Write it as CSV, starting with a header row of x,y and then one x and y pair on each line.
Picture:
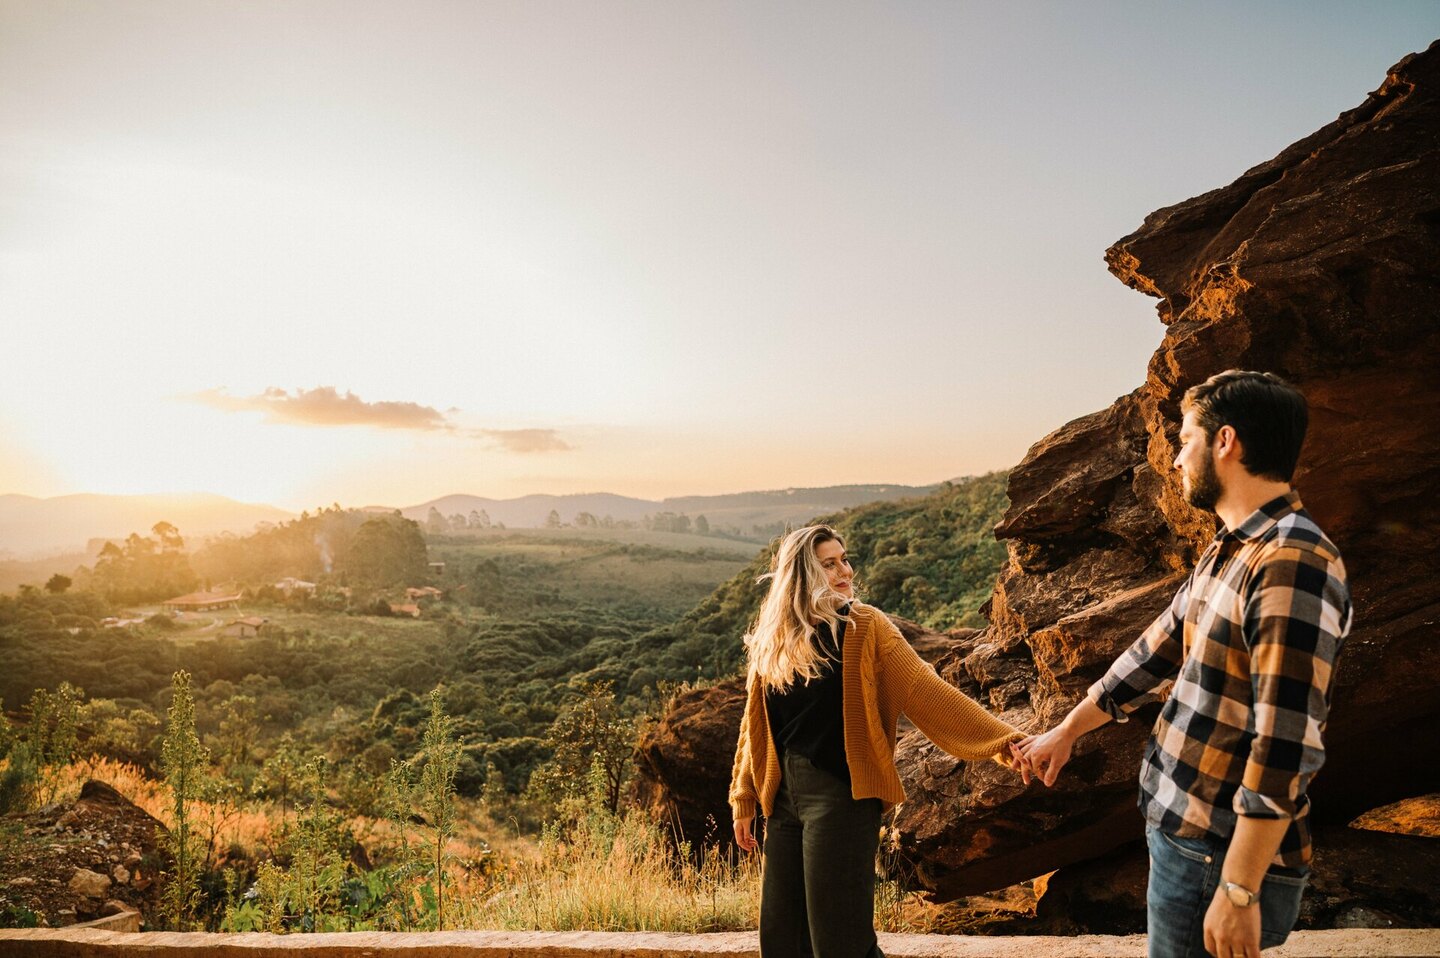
x,y
1043,756
744,837
1232,932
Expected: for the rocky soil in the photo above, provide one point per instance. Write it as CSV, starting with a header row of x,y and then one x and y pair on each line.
x,y
73,863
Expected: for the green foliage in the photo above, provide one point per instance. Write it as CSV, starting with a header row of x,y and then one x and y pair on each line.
x,y
19,780
184,762
52,733
441,754
301,890
386,551
145,568
591,738
935,559
18,916
308,548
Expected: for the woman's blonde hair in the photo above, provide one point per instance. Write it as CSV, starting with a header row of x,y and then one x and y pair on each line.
x,y
781,643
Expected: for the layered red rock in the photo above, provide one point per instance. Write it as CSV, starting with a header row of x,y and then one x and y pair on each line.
x,y
1322,265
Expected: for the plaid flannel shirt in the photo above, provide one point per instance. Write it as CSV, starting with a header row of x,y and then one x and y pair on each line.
x,y
1250,641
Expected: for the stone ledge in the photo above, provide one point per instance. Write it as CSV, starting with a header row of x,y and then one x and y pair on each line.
x,y
89,943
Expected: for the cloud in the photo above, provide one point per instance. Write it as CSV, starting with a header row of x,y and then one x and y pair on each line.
x,y
526,440
327,406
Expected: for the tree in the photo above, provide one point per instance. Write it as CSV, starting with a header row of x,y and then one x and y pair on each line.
x,y
458,522
702,525
58,584
479,520
435,523
169,536
145,568
386,551
589,732
552,521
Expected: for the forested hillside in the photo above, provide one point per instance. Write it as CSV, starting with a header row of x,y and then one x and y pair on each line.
x,y
524,622
933,559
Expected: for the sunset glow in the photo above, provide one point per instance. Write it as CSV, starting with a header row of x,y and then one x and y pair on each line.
x,y
377,253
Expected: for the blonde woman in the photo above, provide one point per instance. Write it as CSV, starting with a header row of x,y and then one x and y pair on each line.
x,y
828,679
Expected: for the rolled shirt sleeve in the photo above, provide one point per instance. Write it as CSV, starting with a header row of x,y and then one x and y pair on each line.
x,y
1135,677
1296,616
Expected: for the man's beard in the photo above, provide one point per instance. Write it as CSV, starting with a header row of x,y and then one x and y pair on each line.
x,y
1204,487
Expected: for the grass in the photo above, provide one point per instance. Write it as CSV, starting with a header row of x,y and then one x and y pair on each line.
x,y
604,873
621,874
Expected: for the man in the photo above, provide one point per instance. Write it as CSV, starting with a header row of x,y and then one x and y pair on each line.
x,y
1250,643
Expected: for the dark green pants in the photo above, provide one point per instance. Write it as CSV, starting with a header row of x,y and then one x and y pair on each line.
x,y
817,897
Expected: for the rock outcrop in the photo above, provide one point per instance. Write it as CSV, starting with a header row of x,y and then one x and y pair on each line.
x,y
1322,265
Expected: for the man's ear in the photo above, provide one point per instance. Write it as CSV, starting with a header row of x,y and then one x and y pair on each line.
x,y
1227,443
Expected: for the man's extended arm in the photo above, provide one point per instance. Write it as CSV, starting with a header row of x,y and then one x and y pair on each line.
x,y
1154,658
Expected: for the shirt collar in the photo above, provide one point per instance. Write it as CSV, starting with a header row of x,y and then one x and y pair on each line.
x,y
1262,520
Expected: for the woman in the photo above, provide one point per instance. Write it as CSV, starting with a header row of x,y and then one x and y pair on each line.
x,y
829,677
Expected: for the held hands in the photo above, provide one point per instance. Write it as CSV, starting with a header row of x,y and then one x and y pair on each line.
x,y
744,836
1042,756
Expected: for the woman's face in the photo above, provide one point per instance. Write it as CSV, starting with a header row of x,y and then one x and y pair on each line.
x,y
838,574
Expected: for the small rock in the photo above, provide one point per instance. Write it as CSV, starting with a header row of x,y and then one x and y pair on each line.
x,y
22,881
114,907
1360,916
68,820
88,883
132,860
121,874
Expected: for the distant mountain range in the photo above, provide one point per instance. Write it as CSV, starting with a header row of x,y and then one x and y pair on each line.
x,y
32,527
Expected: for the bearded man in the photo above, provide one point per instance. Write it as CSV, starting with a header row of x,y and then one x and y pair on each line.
x,y
1243,660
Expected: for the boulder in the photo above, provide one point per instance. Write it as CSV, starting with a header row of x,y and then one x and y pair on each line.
x,y
683,763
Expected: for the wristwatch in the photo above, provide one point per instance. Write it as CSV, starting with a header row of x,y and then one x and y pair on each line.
x,y
1239,895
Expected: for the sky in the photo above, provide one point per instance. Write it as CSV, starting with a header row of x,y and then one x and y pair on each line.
x,y
376,253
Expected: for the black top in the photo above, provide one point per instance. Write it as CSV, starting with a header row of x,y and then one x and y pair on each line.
x,y
808,717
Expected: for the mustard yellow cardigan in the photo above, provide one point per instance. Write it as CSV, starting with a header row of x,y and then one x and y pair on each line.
x,y
882,677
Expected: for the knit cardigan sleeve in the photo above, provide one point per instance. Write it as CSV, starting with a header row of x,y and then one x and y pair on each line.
x,y
742,776
947,716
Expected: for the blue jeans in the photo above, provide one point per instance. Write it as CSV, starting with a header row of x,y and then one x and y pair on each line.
x,y
1184,873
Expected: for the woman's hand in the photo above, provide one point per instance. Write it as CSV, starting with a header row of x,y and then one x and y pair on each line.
x,y
744,837
1043,756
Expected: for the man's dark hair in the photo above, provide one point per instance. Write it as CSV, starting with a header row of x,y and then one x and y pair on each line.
x,y
1268,415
